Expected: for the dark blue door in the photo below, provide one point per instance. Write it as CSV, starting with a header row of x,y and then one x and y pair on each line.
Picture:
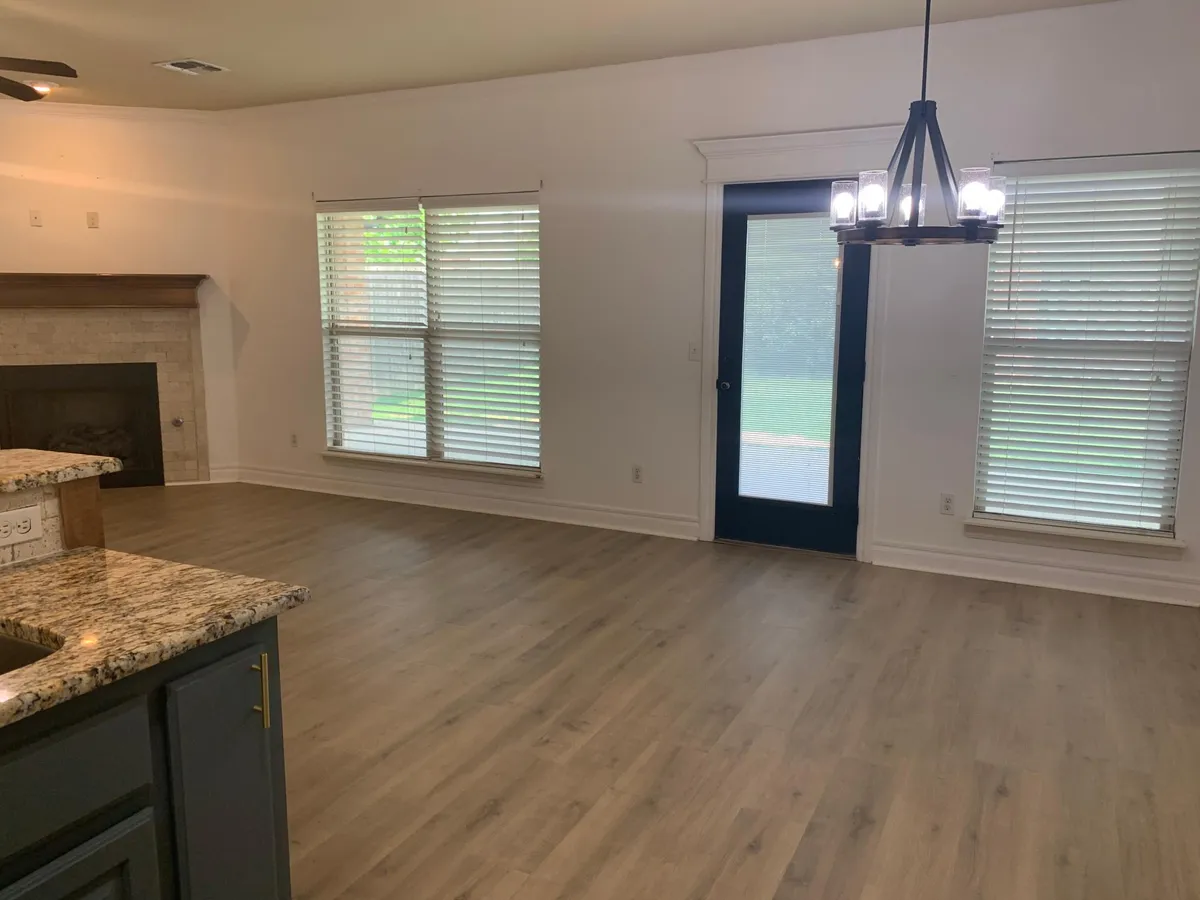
x,y
792,365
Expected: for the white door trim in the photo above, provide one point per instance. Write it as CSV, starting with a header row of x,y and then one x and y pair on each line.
x,y
784,157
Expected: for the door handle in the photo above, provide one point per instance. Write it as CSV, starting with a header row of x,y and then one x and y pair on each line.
x,y
723,385
263,668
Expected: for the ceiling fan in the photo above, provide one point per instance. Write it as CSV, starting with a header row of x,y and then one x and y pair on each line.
x,y
22,91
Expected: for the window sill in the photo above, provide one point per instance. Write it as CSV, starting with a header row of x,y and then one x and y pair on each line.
x,y
1068,538
509,474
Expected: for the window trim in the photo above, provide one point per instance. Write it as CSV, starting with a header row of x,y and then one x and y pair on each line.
x,y
1072,537
428,335
482,471
1069,535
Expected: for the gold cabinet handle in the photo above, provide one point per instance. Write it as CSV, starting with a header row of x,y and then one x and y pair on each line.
x,y
263,668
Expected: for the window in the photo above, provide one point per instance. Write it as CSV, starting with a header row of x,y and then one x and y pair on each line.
x,y
432,329
1090,316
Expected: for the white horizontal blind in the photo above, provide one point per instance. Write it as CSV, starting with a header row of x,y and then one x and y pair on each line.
x,y
1090,318
375,321
485,346
432,332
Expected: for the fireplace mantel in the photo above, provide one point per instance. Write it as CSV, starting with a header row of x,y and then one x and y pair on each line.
x,y
32,290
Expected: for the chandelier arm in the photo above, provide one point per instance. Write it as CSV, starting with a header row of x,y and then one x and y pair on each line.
x,y
914,215
904,139
899,164
945,169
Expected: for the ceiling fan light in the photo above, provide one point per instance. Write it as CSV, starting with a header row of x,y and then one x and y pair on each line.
x,y
42,87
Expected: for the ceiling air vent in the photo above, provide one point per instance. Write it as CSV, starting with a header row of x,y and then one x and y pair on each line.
x,y
191,66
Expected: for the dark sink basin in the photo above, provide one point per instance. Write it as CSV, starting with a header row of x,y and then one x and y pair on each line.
x,y
15,653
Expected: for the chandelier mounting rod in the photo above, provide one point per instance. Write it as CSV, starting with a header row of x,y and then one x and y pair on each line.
x,y
925,62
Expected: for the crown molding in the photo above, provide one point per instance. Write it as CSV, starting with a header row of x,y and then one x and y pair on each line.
x,y
52,109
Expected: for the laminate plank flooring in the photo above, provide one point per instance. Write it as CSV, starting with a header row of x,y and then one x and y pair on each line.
x,y
482,708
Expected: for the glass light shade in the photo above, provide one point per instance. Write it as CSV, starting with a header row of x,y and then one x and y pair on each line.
x,y
997,198
843,204
973,190
873,196
906,192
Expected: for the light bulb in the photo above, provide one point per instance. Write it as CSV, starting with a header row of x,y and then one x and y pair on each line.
x,y
973,196
42,87
843,205
906,192
997,199
873,196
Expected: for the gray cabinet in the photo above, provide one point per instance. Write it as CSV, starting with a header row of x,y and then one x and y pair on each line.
x,y
50,784
120,863
219,727
167,784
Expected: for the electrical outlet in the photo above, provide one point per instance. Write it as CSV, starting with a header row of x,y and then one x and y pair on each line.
x,y
637,474
947,504
295,441
93,220
20,525
35,218
693,352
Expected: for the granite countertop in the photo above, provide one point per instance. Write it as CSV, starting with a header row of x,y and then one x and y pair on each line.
x,y
23,469
113,614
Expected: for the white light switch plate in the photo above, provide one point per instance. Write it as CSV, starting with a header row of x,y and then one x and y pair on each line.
x,y
20,525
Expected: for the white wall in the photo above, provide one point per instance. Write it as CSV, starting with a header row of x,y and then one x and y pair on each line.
x,y
155,179
623,253
623,258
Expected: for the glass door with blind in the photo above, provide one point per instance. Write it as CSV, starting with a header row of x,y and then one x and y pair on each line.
x,y
792,364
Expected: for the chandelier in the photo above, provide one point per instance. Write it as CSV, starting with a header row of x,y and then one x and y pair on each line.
x,y
865,211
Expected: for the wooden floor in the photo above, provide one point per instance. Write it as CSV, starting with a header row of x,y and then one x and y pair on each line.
x,y
481,708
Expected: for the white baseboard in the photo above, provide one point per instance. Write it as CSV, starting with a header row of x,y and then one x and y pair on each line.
x,y
1180,591
614,518
223,475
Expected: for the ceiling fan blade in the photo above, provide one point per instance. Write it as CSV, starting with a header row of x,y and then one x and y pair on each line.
x,y
18,90
37,67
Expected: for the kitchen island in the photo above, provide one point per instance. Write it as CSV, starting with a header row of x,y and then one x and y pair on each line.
x,y
141,753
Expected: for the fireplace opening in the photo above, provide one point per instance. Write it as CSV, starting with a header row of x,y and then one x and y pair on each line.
x,y
108,409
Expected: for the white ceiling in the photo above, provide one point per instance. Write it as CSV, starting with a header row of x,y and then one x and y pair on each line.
x,y
281,50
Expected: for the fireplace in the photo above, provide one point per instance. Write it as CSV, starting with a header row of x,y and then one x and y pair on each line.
x,y
107,409
93,323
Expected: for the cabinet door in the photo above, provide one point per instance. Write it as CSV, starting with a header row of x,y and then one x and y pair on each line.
x,y
221,774
118,864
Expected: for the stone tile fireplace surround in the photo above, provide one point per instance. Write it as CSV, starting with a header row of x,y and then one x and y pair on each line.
x,y
55,319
